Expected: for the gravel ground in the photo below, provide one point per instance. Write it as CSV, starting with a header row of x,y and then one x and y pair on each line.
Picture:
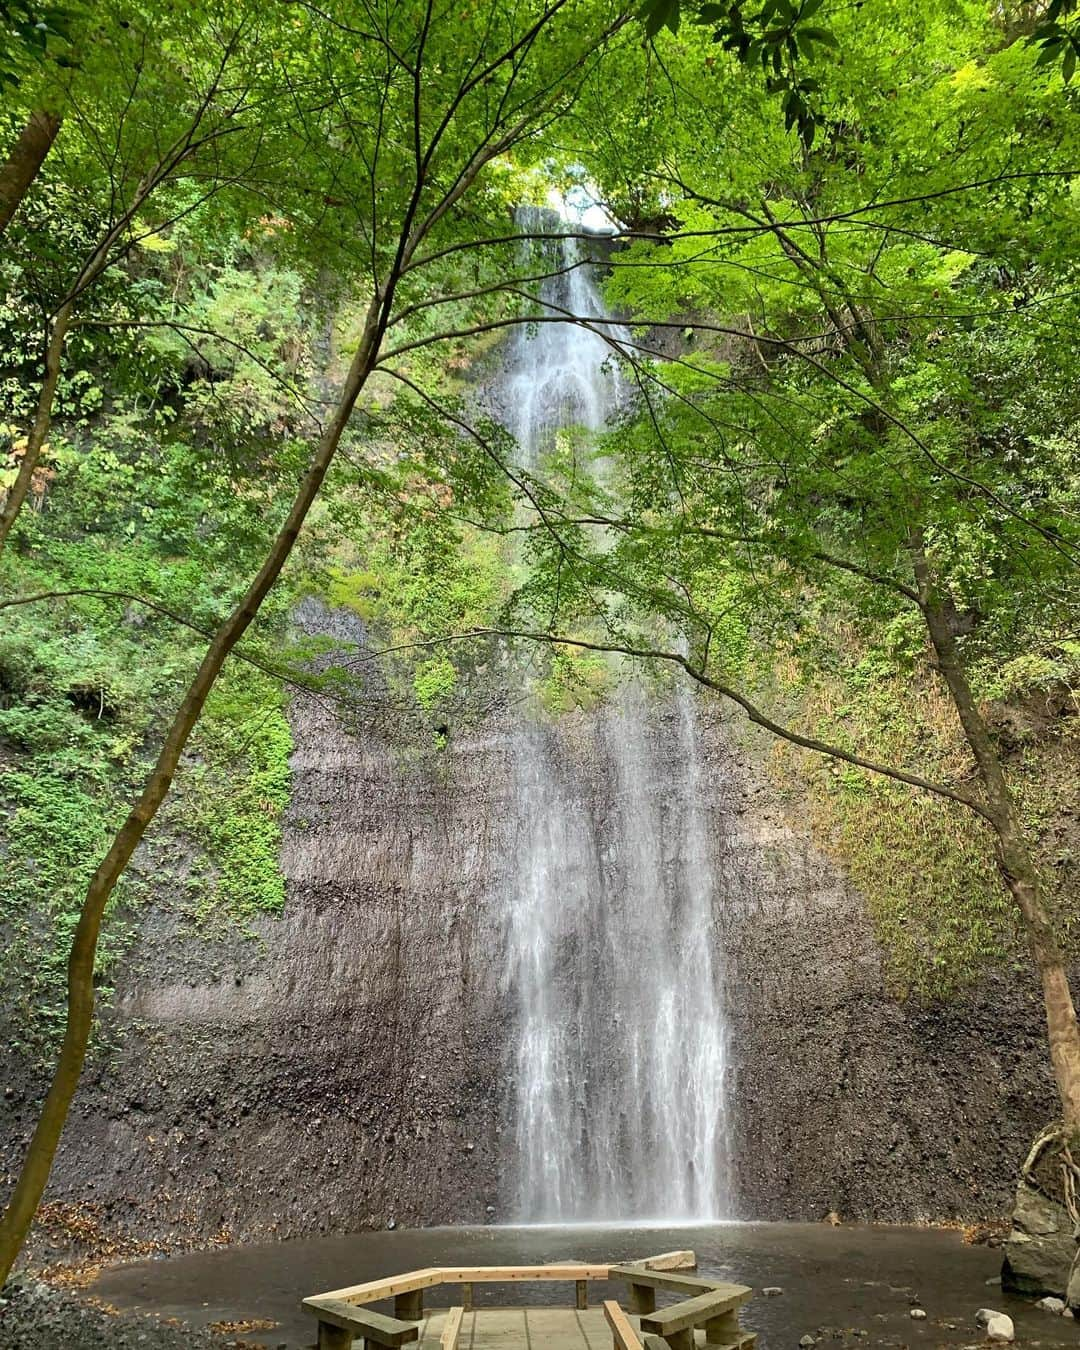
x,y
36,1316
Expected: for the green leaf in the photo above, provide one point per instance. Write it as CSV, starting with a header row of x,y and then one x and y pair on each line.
x,y
1049,52
658,14
821,35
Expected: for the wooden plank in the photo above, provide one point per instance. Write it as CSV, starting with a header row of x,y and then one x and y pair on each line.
x,y
466,1296
693,1312
372,1326
581,1294
623,1335
507,1274
675,1284
389,1287
452,1328
680,1260
393,1285
655,1343
334,1338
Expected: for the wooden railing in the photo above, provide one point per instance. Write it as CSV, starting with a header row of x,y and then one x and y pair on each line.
x,y
710,1304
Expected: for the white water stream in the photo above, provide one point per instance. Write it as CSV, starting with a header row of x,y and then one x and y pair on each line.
x,y
619,1080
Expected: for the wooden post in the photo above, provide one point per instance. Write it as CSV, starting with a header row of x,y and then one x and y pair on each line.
x,y
681,1340
642,1299
722,1330
466,1297
334,1338
581,1290
409,1307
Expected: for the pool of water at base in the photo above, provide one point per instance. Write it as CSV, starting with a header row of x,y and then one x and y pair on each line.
x,y
852,1285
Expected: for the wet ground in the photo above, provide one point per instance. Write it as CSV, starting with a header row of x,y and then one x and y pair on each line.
x,y
847,1285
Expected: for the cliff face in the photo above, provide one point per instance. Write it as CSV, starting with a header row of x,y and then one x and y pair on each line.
x,y
844,1098
350,1064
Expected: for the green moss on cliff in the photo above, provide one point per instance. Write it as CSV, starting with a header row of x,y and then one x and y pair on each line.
x,y
925,864
235,792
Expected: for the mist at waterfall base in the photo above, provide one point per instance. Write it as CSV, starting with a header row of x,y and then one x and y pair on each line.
x,y
619,1105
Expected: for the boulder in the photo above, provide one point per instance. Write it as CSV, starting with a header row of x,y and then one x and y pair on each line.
x,y
1040,1248
1051,1305
1000,1328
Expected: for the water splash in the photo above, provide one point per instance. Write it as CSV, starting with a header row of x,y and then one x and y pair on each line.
x,y
619,1075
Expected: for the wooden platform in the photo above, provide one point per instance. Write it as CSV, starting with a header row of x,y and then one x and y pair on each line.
x,y
525,1329
707,1311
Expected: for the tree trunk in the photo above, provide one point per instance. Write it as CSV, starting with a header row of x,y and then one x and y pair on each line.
x,y
25,160
42,1149
1014,859
42,421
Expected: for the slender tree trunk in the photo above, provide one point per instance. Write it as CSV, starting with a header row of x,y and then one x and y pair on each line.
x,y
25,160
1014,859
54,352
42,1149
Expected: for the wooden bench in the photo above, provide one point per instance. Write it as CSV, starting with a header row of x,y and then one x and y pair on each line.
x,y
645,1282
452,1329
623,1335
716,1311
340,1323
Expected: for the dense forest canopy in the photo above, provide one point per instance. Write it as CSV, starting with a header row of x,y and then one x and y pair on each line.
x,y
253,258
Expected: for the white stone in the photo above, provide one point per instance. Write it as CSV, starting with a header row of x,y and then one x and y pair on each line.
x,y
771,1291
918,1314
1051,1305
1000,1328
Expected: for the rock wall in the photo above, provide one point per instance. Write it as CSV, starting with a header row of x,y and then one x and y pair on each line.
x,y
347,1064
845,1099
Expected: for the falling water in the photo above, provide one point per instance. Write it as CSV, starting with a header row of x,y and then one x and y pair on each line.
x,y
560,374
620,1067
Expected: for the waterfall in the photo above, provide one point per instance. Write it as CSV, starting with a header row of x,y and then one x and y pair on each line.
x,y
620,1064
559,374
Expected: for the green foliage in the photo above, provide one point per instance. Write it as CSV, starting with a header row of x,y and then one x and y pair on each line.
x,y
72,713
777,38
1057,38
161,486
234,795
434,681
31,32
357,591
574,679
